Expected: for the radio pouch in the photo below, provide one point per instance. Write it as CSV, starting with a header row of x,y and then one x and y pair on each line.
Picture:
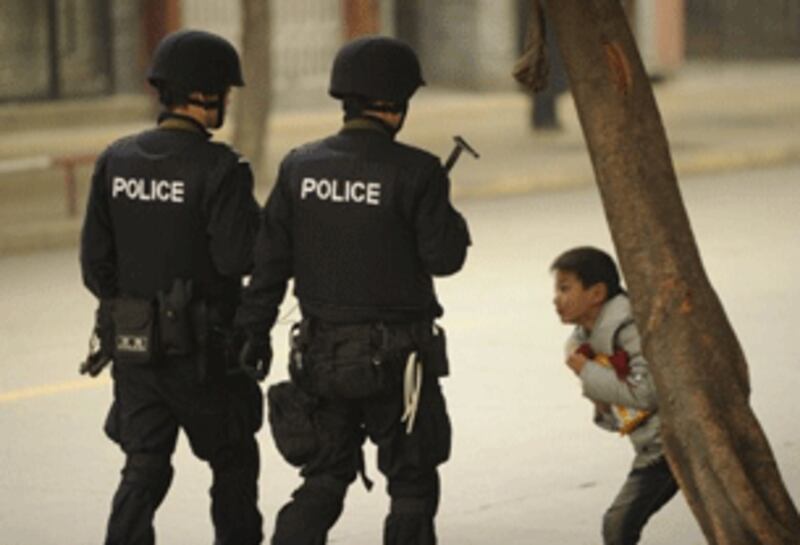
x,y
133,331
175,319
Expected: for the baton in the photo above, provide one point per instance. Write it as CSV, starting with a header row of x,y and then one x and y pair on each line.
x,y
460,146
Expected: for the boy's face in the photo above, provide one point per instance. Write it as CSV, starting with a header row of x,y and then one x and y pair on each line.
x,y
576,304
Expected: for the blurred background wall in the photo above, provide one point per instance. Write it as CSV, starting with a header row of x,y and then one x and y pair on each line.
x,y
62,49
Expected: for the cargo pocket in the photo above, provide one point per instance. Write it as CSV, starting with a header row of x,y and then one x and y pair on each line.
x,y
349,369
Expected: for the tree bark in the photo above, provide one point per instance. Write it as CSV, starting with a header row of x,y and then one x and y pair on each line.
x,y
714,443
360,17
253,100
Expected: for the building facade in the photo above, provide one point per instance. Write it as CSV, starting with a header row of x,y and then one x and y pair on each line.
x,y
55,49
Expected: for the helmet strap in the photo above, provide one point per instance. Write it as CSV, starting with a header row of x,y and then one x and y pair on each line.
x,y
218,104
205,104
358,107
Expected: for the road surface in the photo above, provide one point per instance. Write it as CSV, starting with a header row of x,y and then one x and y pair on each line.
x,y
527,467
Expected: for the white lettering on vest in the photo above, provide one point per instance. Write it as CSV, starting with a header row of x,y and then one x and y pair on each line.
x,y
359,187
138,189
324,189
307,186
341,191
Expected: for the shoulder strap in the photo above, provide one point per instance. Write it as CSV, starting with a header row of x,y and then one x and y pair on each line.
x,y
620,327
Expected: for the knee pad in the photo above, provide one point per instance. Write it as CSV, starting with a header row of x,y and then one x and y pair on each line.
x,y
314,508
148,470
243,456
410,522
424,507
235,468
326,487
323,495
413,508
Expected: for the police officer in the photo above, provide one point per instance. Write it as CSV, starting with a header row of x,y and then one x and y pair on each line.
x,y
361,223
168,233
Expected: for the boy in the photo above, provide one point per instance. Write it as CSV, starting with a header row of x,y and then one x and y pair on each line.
x,y
604,351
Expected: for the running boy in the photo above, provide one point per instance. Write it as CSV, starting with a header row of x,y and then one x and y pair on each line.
x,y
605,352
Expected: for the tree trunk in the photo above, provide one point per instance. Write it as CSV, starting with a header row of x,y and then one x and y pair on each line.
x,y
360,17
253,100
714,443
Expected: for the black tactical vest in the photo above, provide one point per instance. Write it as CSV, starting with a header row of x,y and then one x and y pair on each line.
x,y
158,185
355,200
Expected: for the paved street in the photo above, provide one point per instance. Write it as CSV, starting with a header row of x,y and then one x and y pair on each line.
x,y
528,466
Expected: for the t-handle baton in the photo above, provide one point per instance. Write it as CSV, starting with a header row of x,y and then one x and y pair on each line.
x,y
460,146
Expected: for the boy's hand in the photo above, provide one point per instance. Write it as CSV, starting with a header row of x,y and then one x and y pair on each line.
x,y
576,361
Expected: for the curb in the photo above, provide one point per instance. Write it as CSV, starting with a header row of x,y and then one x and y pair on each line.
x,y
65,233
715,161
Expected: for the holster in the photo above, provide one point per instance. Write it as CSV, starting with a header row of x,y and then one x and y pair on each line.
x,y
176,319
425,337
216,344
174,324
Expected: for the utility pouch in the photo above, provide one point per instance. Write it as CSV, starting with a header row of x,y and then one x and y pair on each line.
x,y
291,421
134,340
433,353
344,363
175,319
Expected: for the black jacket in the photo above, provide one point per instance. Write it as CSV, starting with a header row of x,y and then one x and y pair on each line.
x,y
361,223
168,203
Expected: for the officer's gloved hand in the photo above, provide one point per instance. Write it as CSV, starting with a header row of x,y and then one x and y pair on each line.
x,y
256,356
100,343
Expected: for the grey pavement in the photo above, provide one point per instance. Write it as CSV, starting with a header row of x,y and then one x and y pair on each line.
x,y
718,117
528,465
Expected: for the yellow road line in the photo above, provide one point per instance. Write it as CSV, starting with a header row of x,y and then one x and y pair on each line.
x,y
52,389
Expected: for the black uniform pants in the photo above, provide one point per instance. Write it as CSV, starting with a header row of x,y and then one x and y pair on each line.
x,y
408,460
220,418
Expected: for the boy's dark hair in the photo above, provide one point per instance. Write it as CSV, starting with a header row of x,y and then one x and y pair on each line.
x,y
591,266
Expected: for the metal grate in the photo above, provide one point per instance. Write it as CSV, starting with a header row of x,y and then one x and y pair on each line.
x,y
54,49
24,61
736,29
305,36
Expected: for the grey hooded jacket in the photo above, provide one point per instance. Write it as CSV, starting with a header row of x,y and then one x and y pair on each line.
x,y
637,391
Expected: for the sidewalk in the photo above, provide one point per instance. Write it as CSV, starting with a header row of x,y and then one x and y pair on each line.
x,y
717,117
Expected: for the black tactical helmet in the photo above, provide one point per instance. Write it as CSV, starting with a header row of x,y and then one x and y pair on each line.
x,y
376,67
194,60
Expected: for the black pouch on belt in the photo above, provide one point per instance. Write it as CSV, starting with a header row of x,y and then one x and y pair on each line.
x,y
134,341
434,353
345,363
175,319
291,420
